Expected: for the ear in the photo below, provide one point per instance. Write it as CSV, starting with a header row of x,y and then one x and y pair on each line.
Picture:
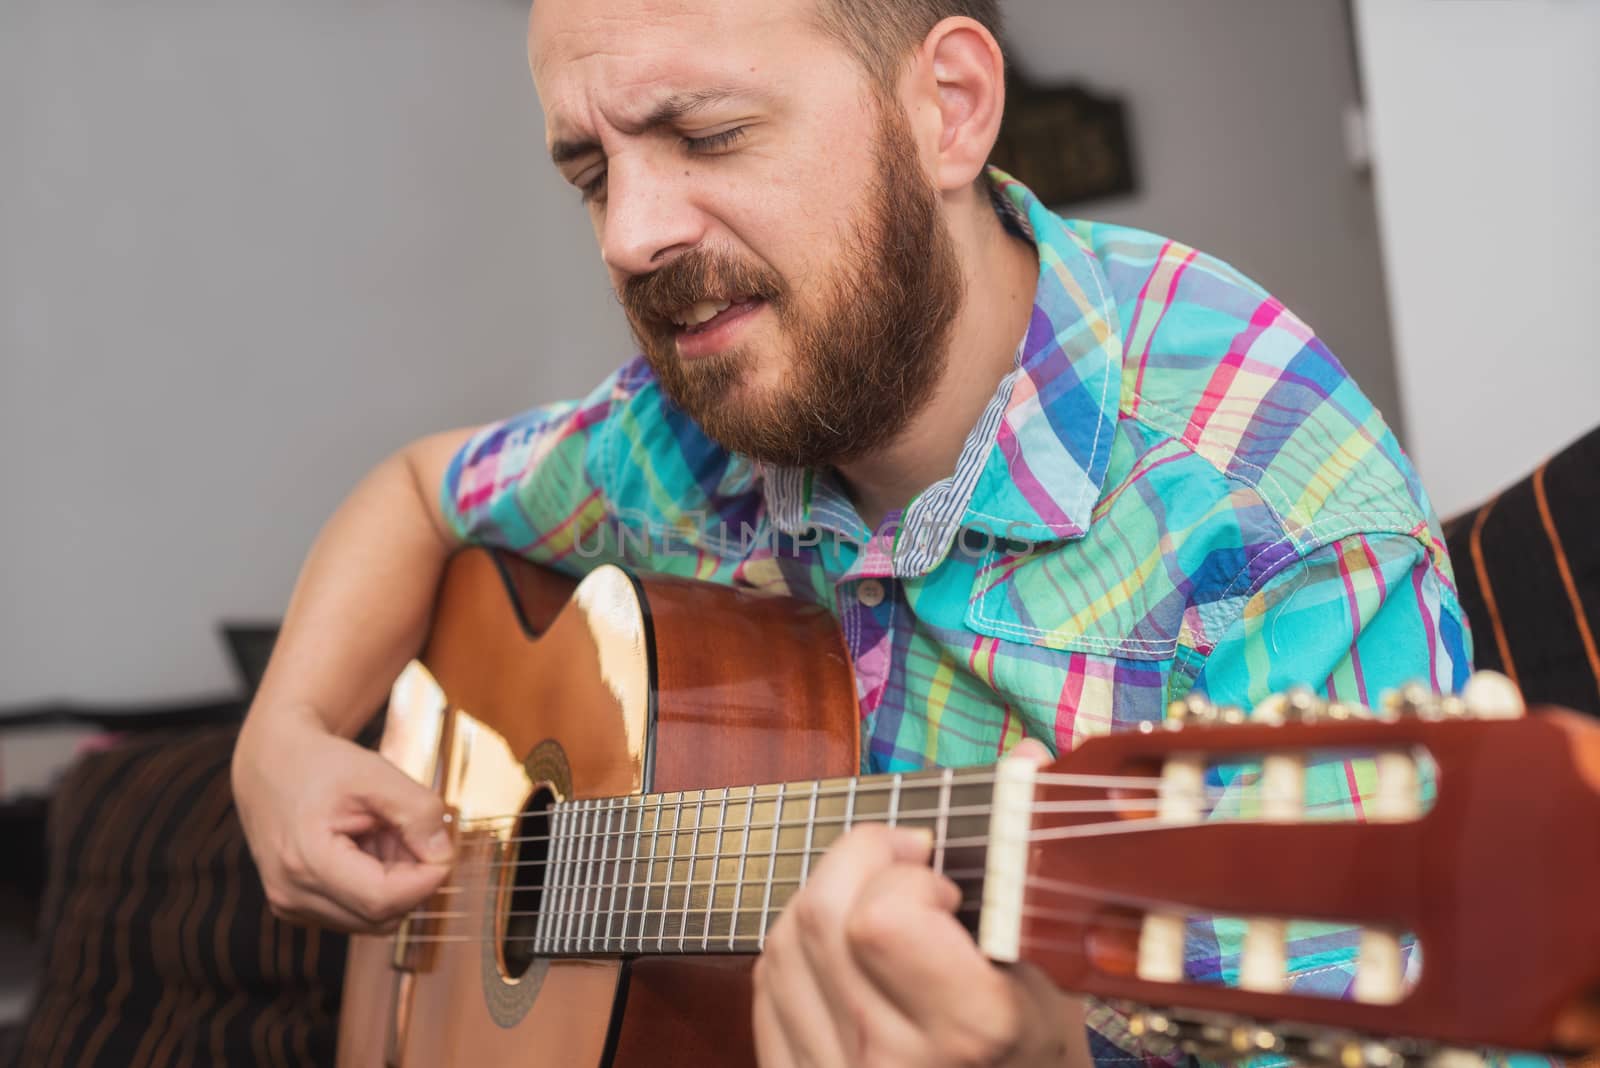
x,y
957,95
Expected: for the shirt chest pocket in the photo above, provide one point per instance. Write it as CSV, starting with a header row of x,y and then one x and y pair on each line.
x,y
1086,596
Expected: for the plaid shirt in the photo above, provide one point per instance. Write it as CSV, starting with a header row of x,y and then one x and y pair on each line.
x,y
1177,488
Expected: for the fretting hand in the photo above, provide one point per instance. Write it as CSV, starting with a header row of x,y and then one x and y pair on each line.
x,y
869,965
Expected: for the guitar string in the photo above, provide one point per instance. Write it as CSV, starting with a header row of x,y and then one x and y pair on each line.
x,y
803,791
664,830
580,891
575,861
577,893
677,930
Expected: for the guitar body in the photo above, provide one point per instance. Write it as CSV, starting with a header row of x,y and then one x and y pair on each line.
x,y
615,687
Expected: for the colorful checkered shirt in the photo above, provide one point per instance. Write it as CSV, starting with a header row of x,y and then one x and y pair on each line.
x,y
1177,488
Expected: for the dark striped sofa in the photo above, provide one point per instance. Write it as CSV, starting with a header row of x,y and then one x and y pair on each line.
x,y
163,952
1528,571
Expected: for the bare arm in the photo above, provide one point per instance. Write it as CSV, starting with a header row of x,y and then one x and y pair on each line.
x,y
360,608
318,810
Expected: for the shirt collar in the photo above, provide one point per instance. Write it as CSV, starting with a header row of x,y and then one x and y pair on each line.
x,y
1033,467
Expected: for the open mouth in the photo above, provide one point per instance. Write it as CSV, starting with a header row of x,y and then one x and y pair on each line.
x,y
707,315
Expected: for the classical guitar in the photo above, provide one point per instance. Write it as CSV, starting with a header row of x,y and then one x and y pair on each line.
x,y
642,772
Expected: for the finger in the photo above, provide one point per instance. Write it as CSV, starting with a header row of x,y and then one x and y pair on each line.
x,y
413,810
823,909
907,941
772,1043
797,1019
375,891
1033,750
310,907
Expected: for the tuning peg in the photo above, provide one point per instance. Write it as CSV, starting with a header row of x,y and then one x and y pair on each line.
x,y
1341,711
1299,705
1358,1054
1191,709
1412,699
1490,695
1254,1041
1153,1025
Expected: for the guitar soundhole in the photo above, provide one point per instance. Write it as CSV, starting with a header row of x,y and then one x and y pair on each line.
x,y
525,896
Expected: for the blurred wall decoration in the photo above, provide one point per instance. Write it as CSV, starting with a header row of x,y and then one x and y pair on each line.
x,y
1066,143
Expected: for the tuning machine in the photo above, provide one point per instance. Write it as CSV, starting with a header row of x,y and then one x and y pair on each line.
x,y
1196,710
1487,695
1227,1038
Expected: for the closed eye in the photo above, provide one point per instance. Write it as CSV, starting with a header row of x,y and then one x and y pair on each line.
x,y
593,187
713,142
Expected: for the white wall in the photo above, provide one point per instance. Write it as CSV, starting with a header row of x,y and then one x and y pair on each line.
x,y
1238,110
1486,123
246,249
252,247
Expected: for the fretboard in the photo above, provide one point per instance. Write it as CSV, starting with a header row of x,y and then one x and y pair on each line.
x,y
709,871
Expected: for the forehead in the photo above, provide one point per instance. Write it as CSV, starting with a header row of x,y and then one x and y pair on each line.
x,y
620,57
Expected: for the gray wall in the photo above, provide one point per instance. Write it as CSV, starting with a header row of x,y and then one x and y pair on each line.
x,y
1486,122
250,249
246,249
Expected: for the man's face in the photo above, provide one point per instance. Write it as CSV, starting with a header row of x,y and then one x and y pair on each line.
x,y
764,215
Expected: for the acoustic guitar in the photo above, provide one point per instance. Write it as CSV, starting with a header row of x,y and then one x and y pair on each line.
x,y
641,773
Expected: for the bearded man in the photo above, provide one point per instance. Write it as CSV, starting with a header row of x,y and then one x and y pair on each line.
x,y
1049,475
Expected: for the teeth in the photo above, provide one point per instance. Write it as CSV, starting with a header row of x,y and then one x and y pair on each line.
x,y
702,312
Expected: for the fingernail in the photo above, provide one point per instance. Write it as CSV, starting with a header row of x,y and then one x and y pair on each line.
x,y
916,837
439,847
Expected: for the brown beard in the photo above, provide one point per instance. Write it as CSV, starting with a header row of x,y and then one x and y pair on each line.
x,y
867,349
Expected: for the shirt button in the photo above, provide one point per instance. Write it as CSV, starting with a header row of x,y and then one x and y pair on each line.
x,y
870,593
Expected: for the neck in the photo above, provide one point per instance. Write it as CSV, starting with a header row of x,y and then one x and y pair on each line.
x,y
711,870
1000,274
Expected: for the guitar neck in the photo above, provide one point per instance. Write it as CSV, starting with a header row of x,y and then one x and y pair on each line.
x,y
710,871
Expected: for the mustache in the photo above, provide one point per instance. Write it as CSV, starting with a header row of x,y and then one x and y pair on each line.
x,y
699,274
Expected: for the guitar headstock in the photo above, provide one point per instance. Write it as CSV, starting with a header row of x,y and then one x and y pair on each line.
x,y
1469,863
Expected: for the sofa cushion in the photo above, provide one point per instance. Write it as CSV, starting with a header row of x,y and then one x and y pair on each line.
x,y
160,947
1528,566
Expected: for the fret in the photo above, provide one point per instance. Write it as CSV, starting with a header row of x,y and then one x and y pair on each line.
x,y
941,831
606,878
772,849
552,894
574,917
811,826
636,917
688,879
832,816
616,867
871,801
741,867
541,935
564,907
586,875
894,801
591,891
716,870
672,848
630,806
966,823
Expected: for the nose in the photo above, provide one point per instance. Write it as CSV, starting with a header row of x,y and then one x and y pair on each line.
x,y
649,218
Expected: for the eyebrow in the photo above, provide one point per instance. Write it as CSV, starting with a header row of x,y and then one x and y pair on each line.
x,y
675,107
